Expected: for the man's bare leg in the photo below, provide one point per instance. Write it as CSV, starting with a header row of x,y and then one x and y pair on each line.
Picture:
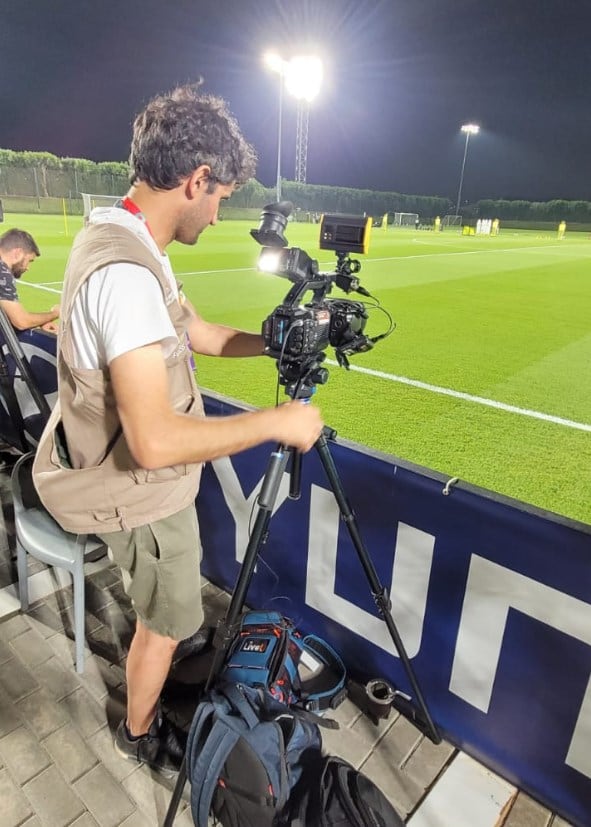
x,y
148,663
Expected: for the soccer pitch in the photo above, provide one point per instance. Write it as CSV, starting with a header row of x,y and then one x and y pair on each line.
x,y
485,377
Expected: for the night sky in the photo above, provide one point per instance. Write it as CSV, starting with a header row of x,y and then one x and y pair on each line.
x,y
401,77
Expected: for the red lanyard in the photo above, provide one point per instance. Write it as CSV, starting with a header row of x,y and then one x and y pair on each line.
x,y
133,208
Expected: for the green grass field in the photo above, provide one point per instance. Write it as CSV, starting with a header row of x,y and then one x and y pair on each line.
x,y
485,377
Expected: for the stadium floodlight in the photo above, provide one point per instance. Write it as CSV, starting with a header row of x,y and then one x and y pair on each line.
x,y
302,77
469,129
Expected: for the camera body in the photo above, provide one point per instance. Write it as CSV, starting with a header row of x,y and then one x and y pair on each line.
x,y
295,332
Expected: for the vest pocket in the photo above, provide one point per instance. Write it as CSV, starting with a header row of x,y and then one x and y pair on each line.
x,y
173,472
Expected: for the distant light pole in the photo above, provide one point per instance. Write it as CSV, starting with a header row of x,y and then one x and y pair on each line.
x,y
469,129
277,64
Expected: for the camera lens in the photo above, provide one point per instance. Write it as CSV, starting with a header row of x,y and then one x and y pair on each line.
x,y
273,223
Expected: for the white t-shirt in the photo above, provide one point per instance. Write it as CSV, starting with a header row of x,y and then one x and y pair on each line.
x,y
120,307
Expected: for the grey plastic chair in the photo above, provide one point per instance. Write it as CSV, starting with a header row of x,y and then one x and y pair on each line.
x,y
38,534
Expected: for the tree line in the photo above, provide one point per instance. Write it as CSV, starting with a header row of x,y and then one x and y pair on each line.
x,y
43,174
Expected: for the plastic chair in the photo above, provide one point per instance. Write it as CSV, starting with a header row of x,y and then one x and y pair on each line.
x,y
38,534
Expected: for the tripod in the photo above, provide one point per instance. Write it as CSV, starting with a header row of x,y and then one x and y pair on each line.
x,y
277,465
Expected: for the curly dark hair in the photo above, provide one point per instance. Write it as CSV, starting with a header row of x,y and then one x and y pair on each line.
x,y
179,131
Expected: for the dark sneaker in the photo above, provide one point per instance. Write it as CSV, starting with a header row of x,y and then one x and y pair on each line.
x,y
194,645
162,748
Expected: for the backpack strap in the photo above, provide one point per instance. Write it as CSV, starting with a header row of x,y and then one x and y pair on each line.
x,y
240,703
328,689
203,749
206,770
239,698
201,718
255,707
314,718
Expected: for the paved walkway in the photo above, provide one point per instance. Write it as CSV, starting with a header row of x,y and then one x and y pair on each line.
x,y
57,764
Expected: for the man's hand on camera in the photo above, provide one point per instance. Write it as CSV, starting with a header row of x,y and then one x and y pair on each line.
x,y
299,426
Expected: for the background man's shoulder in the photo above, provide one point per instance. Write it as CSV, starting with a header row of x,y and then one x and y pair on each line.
x,y
7,286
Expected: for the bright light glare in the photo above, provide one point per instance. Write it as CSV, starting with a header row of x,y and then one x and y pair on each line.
x,y
269,260
471,128
274,62
303,77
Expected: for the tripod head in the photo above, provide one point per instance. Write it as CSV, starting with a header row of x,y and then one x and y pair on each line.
x,y
301,377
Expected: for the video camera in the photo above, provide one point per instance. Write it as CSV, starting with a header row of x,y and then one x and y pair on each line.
x,y
296,334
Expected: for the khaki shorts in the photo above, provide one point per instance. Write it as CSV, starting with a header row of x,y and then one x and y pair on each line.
x,y
160,567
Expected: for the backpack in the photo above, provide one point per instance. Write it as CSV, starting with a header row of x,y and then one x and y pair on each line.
x,y
299,671
343,797
248,755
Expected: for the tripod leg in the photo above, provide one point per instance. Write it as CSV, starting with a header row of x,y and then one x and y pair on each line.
x,y
176,794
378,591
265,502
224,635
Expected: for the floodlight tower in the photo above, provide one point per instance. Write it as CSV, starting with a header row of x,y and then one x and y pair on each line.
x,y
303,80
469,129
302,120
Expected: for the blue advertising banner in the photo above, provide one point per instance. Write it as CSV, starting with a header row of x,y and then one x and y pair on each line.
x,y
492,600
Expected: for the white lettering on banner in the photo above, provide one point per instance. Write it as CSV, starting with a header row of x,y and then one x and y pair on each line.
x,y
242,508
411,570
579,755
491,591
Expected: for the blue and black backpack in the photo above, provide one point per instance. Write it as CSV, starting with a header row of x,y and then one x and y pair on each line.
x,y
254,750
249,758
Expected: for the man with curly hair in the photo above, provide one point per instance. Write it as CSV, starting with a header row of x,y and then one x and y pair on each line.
x,y
121,456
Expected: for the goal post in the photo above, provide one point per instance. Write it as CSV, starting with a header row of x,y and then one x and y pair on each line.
x,y
90,201
405,219
451,221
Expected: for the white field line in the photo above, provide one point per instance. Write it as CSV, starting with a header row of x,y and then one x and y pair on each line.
x,y
367,261
466,397
392,258
42,286
213,272
404,380
467,253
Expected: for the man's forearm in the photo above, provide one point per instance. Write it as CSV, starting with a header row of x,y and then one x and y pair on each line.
x,y
243,344
26,320
179,438
219,340
44,318
158,436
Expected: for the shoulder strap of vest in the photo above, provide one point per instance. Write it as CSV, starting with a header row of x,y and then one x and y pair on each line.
x,y
102,244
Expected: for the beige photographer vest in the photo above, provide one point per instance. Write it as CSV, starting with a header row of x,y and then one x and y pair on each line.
x,y
83,470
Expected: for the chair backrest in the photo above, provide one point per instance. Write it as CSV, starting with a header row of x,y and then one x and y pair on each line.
x,y
28,380
24,493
